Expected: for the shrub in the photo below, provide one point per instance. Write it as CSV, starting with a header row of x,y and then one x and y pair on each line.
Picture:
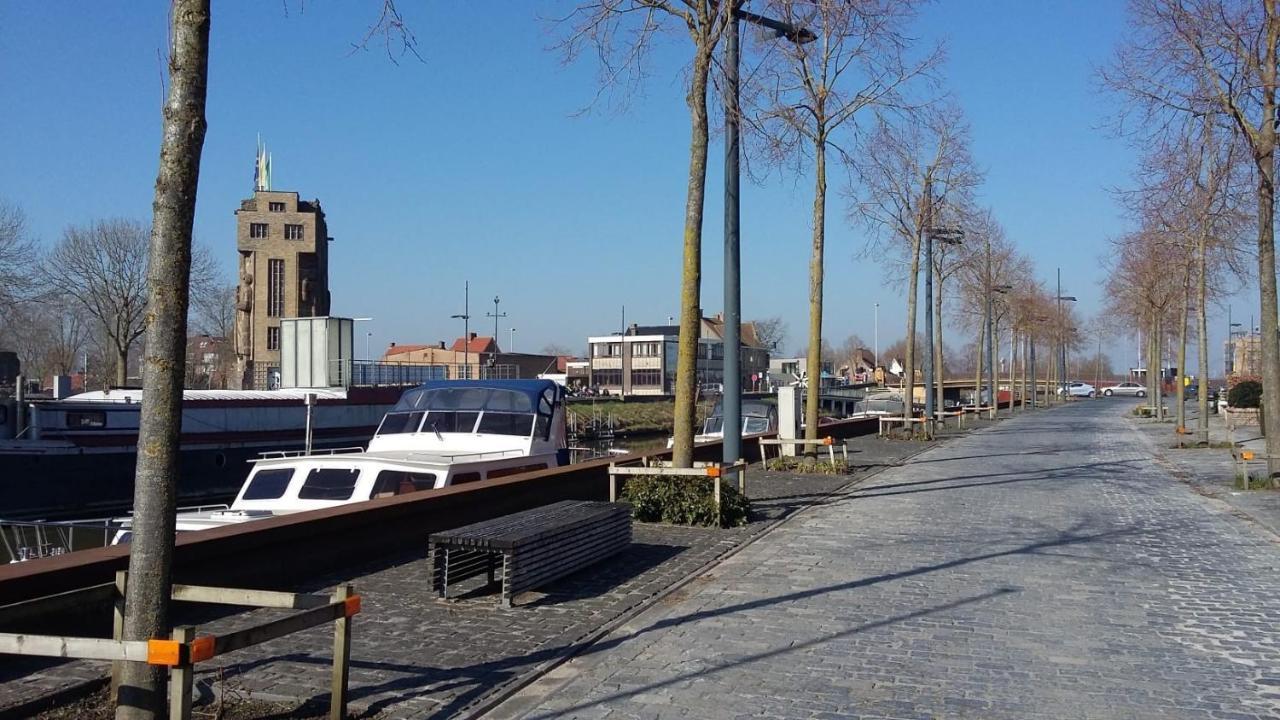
x,y
1245,394
787,463
685,501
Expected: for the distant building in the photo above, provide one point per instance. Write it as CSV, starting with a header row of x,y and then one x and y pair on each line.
x,y
210,361
1244,355
283,272
643,360
477,356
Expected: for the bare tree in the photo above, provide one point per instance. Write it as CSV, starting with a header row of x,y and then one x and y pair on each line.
x,y
19,257
163,369
771,332
905,169
810,92
1185,59
214,308
103,268
556,349
621,33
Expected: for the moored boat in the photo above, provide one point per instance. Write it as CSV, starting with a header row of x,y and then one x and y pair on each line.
x,y
439,434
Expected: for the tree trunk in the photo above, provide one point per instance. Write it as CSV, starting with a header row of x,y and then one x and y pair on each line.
x,y
122,366
815,294
1202,335
141,693
977,374
938,374
1022,392
909,362
691,278
1180,388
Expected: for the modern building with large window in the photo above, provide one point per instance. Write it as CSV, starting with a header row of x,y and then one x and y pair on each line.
x,y
642,361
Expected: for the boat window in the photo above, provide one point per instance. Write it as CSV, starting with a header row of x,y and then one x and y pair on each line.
x,y
542,428
713,425
86,420
400,422
399,482
757,425
461,478
501,423
450,422
329,484
268,484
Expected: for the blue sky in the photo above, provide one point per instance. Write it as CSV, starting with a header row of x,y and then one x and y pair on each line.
x,y
476,165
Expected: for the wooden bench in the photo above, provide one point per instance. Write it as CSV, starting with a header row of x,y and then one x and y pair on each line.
x,y
530,548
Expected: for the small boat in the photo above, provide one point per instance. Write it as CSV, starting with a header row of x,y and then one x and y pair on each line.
x,y
758,417
440,434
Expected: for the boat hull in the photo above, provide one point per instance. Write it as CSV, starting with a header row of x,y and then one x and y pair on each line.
x,y
77,482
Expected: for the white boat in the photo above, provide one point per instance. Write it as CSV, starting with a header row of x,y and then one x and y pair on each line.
x,y
758,417
439,434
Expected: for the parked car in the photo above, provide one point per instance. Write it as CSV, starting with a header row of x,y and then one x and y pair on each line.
x,y
1079,389
1132,389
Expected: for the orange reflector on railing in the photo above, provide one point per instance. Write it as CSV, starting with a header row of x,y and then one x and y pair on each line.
x,y
164,652
713,472
352,606
1181,430
828,440
1247,454
202,648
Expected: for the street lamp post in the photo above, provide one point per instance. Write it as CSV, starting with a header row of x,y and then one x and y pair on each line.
x,y
495,315
951,236
465,317
732,399
511,346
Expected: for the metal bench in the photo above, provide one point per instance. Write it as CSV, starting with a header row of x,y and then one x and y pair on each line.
x,y
530,548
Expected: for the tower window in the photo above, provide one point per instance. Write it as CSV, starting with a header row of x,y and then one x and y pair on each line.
x,y
275,207
273,338
258,230
275,288
292,232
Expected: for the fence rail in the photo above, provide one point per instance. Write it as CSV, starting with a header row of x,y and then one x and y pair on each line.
x,y
186,647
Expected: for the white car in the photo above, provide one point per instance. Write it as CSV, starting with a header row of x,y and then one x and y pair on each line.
x,y
1126,388
1079,389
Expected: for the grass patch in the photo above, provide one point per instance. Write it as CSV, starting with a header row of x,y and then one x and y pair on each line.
x,y
636,417
801,464
685,501
1254,483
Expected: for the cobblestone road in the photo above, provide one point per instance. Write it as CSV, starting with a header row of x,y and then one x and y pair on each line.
x,y
1042,568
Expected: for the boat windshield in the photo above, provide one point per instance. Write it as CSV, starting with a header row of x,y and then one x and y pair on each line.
x,y
753,425
465,398
713,426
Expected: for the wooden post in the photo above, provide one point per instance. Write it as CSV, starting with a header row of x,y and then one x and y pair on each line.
x,y
341,657
181,677
831,451
613,486
117,627
719,515
742,479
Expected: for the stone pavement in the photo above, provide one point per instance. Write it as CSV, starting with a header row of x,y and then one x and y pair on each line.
x,y
1047,567
1211,471
416,657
